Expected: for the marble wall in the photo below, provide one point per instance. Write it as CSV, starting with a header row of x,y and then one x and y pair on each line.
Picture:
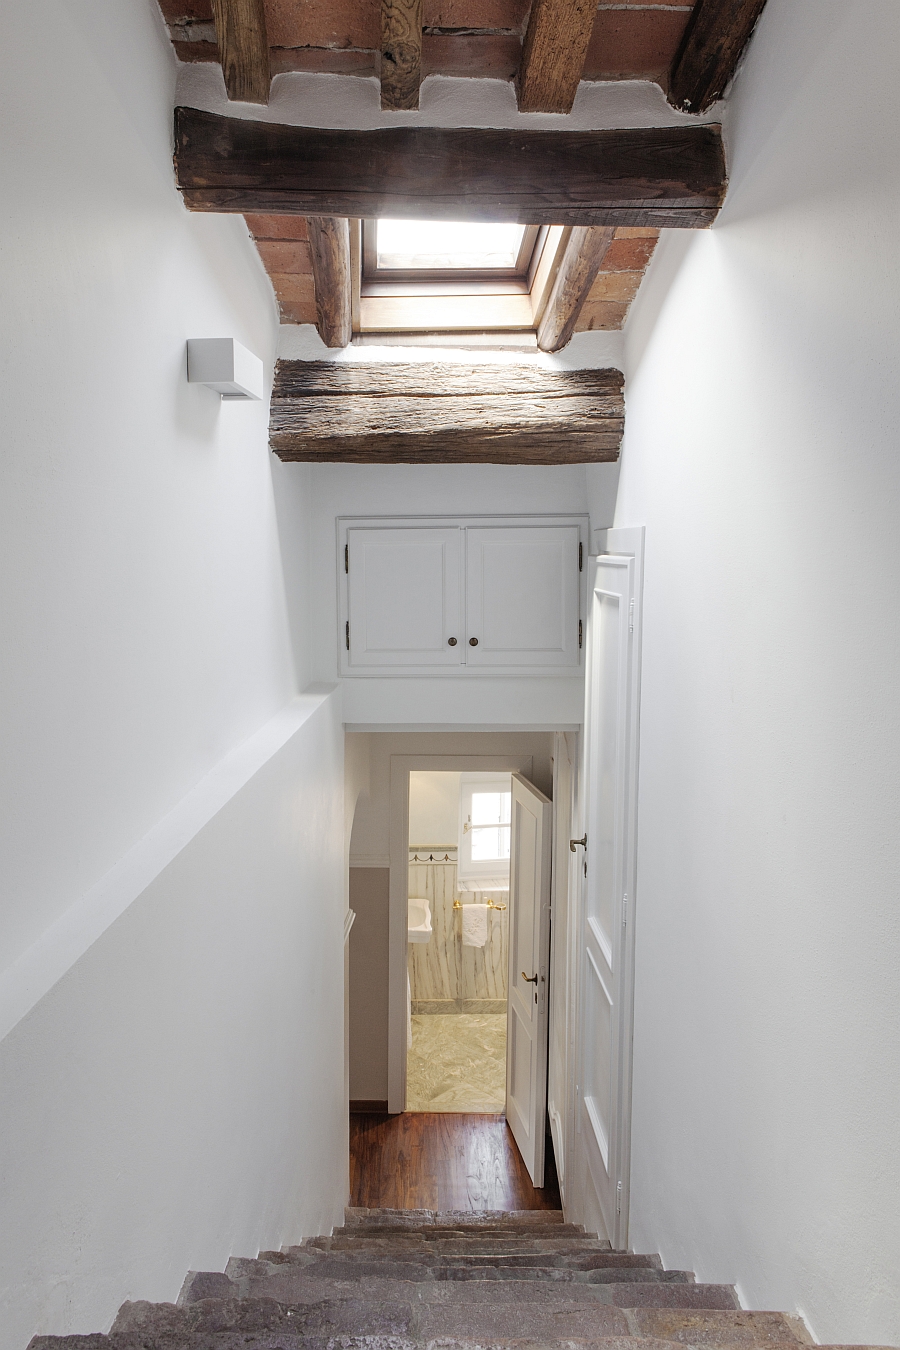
x,y
445,976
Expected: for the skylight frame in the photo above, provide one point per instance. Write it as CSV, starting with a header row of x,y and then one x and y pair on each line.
x,y
522,271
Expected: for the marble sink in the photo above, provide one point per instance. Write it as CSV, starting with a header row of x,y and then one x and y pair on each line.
x,y
418,920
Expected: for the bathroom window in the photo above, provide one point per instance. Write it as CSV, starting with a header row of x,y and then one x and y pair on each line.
x,y
484,832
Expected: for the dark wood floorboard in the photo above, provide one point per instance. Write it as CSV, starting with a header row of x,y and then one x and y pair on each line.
x,y
431,1160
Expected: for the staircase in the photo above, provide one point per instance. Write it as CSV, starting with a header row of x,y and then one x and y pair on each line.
x,y
422,1280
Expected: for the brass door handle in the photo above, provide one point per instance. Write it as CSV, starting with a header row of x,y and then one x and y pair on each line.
x,y
573,843
529,979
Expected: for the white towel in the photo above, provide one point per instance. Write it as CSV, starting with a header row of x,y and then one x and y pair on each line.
x,y
474,925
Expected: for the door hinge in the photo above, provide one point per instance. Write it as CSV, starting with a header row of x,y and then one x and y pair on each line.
x,y
347,634
625,910
631,617
580,631
619,1198
346,557
581,557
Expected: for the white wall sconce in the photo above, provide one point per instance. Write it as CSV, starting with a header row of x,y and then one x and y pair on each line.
x,y
225,366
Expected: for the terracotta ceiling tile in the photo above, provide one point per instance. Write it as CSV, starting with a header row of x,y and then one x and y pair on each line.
x,y
510,15
322,60
619,287
635,43
293,289
287,256
491,56
603,315
195,51
628,255
323,23
301,311
277,227
175,10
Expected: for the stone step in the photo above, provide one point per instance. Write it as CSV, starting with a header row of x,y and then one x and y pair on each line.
x,y
290,1288
280,1340
550,1253
451,1218
457,1243
575,1257
340,1267
521,1230
708,1328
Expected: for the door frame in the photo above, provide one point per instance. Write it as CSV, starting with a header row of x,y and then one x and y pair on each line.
x,y
401,766
583,1204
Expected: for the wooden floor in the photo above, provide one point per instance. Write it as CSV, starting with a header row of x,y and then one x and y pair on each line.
x,y
426,1160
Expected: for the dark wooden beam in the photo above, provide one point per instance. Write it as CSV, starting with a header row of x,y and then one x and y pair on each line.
x,y
243,49
716,35
401,54
652,177
587,247
556,43
329,249
439,414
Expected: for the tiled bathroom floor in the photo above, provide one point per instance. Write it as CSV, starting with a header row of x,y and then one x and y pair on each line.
x,y
457,1063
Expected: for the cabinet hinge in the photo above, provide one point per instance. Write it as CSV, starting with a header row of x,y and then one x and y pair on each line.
x,y
581,557
580,631
346,557
631,617
347,634
619,1198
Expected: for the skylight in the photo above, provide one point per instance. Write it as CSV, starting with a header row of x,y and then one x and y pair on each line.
x,y
412,245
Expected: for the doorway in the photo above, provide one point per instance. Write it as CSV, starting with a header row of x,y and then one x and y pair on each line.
x,y
458,940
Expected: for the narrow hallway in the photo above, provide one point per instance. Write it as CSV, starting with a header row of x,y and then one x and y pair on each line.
x,y
440,1161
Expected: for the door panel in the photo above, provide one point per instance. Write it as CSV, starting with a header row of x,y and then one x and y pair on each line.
x,y
405,597
604,912
522,596
529,950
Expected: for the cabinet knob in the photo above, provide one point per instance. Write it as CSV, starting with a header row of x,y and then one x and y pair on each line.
x,y
473,642
451,642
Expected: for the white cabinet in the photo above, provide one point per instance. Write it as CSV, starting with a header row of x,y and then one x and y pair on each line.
x,y
497,596
405,597
522,596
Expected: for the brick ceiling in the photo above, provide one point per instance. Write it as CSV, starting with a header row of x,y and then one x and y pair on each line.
x,y
475,38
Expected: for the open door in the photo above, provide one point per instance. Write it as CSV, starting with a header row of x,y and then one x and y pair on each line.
x,y
529,960
608,908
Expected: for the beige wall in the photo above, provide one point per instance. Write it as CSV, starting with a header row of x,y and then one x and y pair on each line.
x,y
369,889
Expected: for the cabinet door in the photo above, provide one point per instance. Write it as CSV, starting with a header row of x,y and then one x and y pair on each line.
x,y
404,598
522,596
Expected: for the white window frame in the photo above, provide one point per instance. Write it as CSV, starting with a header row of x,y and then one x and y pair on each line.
x,y
488,874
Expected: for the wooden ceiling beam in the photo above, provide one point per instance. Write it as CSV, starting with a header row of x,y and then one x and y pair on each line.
x,y
556,44
716,35
438,414
243,49
329,248
401,54
651,176
582,260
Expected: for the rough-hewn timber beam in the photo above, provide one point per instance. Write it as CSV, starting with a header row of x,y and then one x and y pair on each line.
x,y
653,176
401,54
243,49
587,247
329,250
556,43
717,33
438,414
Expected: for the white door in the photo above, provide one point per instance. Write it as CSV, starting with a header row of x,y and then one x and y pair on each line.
x,y
405,598
522,596
605,1021
529,956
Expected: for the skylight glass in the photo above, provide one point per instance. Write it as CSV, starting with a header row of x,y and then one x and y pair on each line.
x,y
436,244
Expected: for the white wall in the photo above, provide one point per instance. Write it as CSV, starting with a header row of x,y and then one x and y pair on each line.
x,y
157,1102
178,1097
762,455
433,808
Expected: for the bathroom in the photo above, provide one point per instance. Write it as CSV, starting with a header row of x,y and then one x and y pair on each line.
x,y
459,832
